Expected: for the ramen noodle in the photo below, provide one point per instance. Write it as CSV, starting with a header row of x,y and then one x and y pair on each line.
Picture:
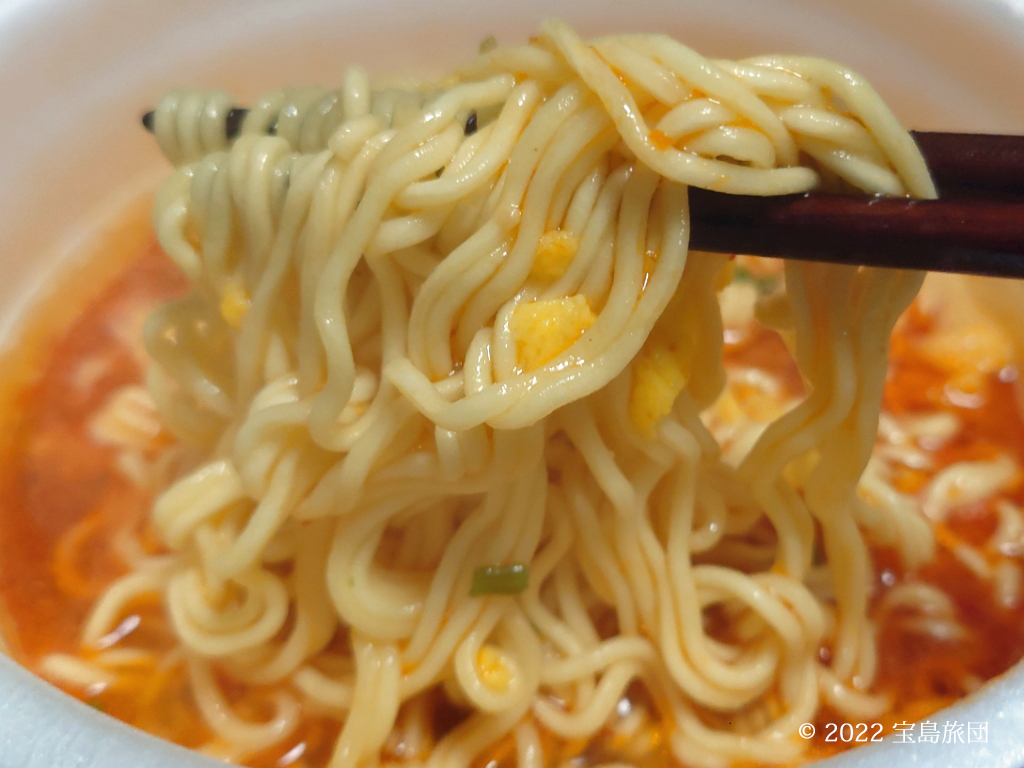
x,y
458,455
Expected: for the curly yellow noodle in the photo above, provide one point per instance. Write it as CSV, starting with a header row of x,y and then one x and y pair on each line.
x,y
352,368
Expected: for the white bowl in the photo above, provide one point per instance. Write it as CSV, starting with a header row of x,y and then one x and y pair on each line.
x,y
76,74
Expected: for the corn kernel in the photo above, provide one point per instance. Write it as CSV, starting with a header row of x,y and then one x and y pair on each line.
x,y
234,303
492,668
555,251
658,378
543,330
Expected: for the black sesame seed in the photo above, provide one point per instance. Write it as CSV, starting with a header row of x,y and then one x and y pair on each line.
x,y
471,123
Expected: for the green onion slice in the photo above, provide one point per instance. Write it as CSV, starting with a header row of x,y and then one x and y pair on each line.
x,y
764,284
500,580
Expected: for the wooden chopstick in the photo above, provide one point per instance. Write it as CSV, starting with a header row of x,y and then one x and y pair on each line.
x,y
979,237
976,228
973,164
961,163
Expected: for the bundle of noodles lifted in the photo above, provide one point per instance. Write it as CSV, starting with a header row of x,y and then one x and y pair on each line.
x,y
442,380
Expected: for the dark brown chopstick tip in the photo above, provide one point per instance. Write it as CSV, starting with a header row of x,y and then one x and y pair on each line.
x,y
234,119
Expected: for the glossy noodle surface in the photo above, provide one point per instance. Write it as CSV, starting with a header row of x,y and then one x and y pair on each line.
x,y
444,449
59,554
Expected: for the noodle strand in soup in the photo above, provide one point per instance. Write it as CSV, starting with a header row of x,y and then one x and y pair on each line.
x,y
458,328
